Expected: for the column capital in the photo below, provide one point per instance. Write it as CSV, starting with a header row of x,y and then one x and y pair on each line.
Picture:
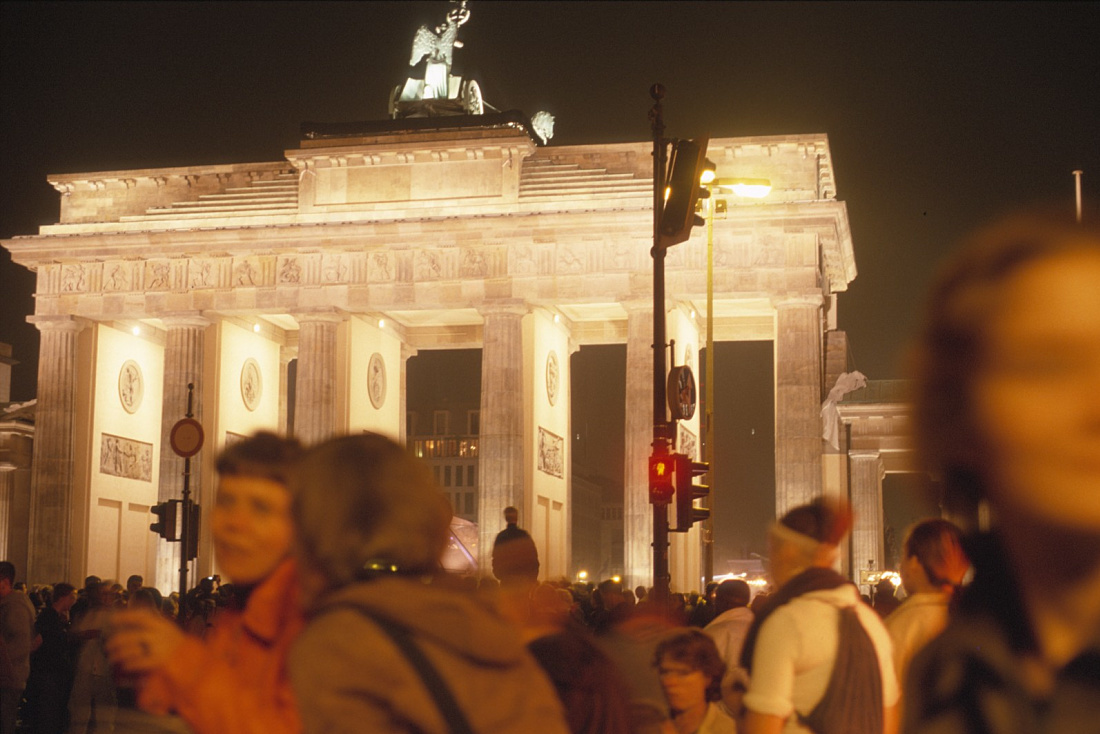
x,y
499,308
865,453
407,350
194,320
287,354
637,305
58,323
331,316
798,299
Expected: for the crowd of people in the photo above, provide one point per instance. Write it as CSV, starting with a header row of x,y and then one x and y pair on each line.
x,y
338,618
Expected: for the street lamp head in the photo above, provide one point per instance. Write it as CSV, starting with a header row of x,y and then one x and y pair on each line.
x,y
751,188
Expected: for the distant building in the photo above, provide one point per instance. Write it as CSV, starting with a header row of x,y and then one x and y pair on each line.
x,y
16,450
447,440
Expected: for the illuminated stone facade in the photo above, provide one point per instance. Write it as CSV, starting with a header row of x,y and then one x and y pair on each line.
x,y
353,252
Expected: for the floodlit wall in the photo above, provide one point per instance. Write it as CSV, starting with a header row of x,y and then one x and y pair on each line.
x,y
548,463
374,368
125,455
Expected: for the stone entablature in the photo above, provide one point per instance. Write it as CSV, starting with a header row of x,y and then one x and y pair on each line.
x,y
568,227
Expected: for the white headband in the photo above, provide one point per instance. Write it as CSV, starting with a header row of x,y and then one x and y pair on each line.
x,y
822,553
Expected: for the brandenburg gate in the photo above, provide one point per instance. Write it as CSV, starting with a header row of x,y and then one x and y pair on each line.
x,y
367,243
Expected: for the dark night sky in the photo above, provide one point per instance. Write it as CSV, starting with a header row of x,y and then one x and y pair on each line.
x,y
939,115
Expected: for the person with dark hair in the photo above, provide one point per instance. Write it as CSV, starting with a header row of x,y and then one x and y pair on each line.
x,y
690,671
235,679
51,679
933,567
1007,415
383,651
17,638
728,630
819,659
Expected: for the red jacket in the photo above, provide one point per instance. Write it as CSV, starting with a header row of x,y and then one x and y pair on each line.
x,y
235,680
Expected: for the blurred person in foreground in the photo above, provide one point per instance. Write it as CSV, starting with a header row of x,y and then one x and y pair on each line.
x,y
728,630
932,570
1008,416
690,671
235,679
818,658
383,650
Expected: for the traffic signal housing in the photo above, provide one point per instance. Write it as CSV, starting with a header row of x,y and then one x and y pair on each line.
x,y
687,514
661,467
194,519
165,526
683,189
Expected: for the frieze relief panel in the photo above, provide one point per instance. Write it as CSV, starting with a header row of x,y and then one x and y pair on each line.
x,y
335,267
206,272
551,459
571,258
381,267
158,274
120,275
75,277
126,458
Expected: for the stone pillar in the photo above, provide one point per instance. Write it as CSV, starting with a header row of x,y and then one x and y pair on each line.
x,y
403,419
867,471
7,490
51,531
797,401
500,445
638,440
286,355
184,357
315,392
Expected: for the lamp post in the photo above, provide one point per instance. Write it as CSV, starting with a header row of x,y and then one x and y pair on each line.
x,y
749,188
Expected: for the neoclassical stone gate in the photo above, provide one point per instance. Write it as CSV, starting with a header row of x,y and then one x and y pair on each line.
x,y
357,250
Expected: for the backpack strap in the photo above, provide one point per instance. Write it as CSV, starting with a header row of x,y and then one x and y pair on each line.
x,y
433,681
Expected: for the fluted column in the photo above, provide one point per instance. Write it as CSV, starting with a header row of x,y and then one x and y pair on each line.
x,y
184,355
797,401
638,439
286,355
867,471
403,419
500,445
7,489
315,391
50,542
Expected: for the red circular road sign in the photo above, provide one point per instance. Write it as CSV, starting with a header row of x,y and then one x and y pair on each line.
x,y
186,437
681,393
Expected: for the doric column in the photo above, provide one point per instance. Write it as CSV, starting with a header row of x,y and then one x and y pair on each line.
x,y
315,391
867,471
500,445
50,542
406,352
797,401
286,355
7,489
184,356
638,439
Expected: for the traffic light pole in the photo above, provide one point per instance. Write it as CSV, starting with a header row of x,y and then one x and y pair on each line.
x,y
661,438
185,508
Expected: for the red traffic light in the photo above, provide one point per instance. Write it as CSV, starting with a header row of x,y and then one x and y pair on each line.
x,y
661,467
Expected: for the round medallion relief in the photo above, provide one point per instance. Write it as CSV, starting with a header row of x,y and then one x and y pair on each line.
x,y
376,380
131,386
252,385
553,377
